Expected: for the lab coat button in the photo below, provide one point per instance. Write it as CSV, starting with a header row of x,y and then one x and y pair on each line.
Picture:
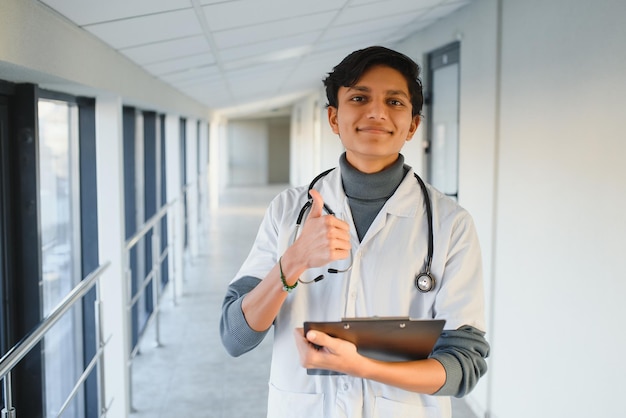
x,y
346,386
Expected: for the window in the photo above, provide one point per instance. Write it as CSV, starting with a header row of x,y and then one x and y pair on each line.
x,y
59,219
49,243
442,151
4,134
4,127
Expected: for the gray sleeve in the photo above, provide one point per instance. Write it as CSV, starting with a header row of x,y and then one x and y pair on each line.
x,y
237,336
462,353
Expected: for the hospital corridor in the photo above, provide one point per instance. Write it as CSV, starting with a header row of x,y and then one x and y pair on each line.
x,y
142,141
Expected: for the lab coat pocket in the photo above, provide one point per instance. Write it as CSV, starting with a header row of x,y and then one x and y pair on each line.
x,y
385,408
283,404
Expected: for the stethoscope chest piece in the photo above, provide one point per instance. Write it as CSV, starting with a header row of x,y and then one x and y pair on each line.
x,y
424,282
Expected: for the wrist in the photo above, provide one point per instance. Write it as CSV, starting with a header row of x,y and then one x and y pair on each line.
x,y
288,284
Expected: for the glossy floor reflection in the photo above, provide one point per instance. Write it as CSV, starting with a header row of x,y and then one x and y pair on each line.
x,y
190,375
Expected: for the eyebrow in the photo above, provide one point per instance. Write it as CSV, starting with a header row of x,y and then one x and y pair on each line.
x,y
365,89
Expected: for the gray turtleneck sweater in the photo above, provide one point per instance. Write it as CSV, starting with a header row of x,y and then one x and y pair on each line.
x,y
367,193
462,352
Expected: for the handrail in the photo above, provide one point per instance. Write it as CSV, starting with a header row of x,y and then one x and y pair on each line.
x,y
148,225
19,350
152,275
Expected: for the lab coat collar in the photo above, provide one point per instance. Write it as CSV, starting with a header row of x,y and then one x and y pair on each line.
x,y
407,201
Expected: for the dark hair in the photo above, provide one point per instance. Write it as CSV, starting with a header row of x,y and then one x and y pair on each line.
x,y
350,70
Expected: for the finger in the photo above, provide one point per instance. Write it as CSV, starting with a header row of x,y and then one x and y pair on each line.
x,y
318,204
319,338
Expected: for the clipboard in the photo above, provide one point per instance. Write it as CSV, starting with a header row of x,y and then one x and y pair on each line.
x,y
384,338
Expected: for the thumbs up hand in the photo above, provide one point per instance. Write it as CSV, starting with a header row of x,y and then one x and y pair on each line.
x,y
324,238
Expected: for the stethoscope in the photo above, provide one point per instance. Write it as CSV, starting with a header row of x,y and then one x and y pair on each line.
x,y
424,282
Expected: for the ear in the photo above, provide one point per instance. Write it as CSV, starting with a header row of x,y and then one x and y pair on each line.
x,y
415,122
332,119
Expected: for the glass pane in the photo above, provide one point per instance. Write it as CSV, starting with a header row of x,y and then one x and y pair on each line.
x,y
445,129
60,250
4,131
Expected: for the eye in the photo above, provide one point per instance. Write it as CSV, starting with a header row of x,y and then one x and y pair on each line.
x,y
395,102
357,99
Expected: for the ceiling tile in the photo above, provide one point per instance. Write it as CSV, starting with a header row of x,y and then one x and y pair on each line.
x,y
253,73
275,30
85,12
214,95
147,29
167,50
181,64
444,10
357,40
374,11
253,12
384,26
196,74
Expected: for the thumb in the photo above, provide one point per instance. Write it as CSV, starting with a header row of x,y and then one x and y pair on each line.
x,y
318,204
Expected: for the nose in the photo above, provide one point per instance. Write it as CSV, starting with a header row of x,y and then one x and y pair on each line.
x,y
377,109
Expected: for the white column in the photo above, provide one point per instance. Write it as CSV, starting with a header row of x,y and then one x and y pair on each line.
x,y
203,149
111,233
192,179
214,161
173,185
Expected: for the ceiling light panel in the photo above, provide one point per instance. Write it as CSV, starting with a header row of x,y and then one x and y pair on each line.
x,y
266,47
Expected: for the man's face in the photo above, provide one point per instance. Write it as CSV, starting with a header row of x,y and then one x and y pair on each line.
x,y
373,118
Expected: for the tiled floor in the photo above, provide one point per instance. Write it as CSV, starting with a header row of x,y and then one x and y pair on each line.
x,y
190,375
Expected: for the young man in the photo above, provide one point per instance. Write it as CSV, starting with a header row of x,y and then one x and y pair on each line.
x,y
376,240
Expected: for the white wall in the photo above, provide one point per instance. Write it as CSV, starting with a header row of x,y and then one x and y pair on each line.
x,y
278,149
305,140
330,144
542,97
561,211
248,152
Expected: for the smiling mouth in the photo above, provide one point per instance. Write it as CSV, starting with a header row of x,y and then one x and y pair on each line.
x,y
374,130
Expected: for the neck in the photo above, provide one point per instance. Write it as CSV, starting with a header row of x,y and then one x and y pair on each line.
x,y
372,166
375,185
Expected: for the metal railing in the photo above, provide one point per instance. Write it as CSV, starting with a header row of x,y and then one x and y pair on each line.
x,y
11,359
151,279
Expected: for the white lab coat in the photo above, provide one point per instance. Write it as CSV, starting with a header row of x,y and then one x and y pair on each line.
x,y
380,283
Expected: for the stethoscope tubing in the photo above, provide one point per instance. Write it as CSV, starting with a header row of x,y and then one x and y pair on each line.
x,y
427,282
